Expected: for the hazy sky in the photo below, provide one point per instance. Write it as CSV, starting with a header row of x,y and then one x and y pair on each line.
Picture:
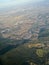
x,y
7,3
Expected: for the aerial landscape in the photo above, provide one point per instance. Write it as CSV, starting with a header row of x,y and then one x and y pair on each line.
x,y
24,32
